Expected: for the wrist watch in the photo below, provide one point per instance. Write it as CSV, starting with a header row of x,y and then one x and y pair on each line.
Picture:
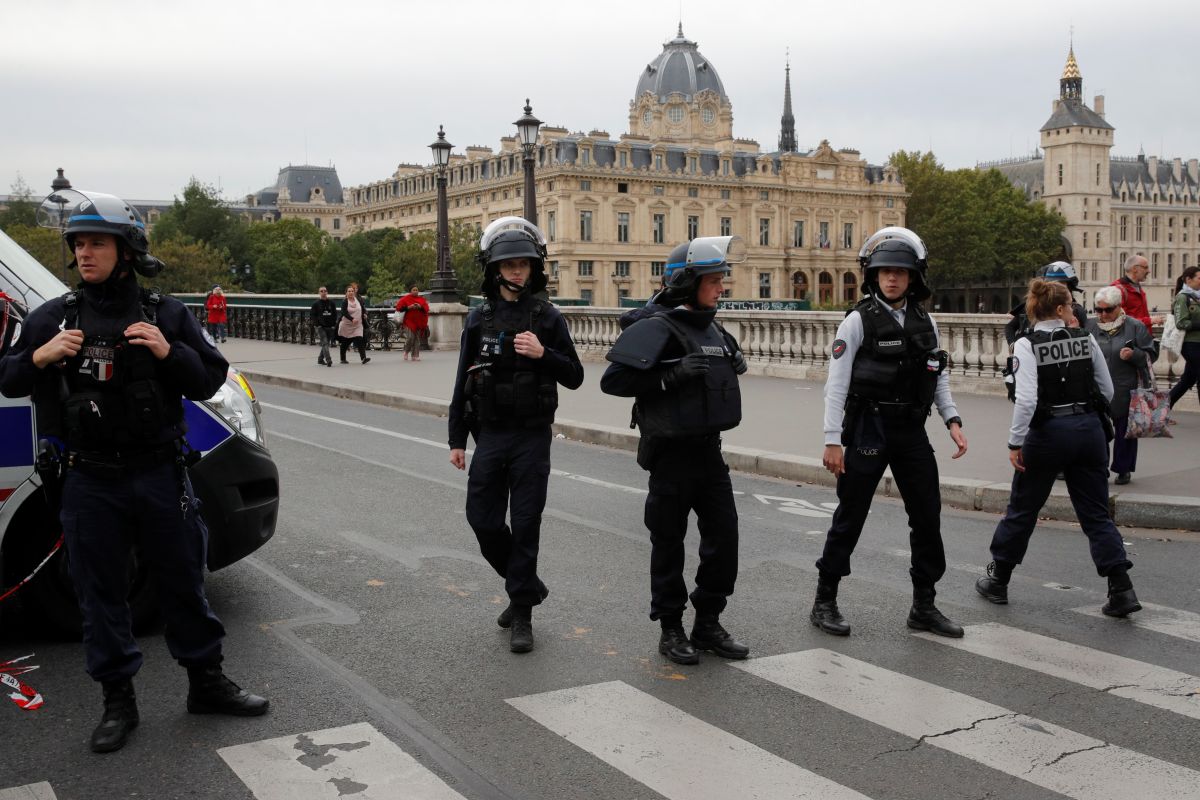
x,y
1015,446
952,421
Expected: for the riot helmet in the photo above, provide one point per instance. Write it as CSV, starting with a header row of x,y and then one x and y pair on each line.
x,y
895,247
690,261
1061,272
75,211
508,238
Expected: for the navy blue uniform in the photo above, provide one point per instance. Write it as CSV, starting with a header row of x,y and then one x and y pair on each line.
x,y
1057,428
507,402
130,490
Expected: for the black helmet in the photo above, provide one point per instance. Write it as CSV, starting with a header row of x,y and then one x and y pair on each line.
x,y
895,247
689,261
507,238
75,211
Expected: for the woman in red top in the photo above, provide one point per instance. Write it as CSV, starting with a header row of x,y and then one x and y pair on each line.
x,y
416,320
215,304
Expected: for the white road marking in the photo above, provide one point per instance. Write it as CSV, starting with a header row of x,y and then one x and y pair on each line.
x,y
675,754
1156,686
355,760
1039,752
32,791
792,505
1160,619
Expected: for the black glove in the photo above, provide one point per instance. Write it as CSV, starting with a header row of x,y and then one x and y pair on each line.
x,y
691,366
739,363
1194,325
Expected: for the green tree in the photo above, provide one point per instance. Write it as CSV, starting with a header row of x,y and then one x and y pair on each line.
x,y
21,210
190,266
44,244
413,260
202,216
285,255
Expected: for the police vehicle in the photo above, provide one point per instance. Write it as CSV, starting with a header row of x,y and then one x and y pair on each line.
x,y
236,480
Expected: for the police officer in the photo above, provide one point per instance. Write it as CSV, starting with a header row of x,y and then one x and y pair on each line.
x,y
1058,425
886,371
106,366
682,367
1060,272
515,350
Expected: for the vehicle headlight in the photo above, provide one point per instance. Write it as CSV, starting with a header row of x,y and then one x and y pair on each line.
x,y
234,404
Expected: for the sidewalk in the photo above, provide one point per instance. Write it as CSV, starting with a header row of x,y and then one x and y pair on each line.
x,y
780,435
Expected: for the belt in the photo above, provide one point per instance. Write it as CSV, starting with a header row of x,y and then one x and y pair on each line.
x,y
1069,410
895,410
117,461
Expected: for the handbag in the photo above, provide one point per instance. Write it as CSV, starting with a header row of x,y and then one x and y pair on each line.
x,y
1149,408
1172,338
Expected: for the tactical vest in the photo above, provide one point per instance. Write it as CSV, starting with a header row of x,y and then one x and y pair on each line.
x,y
699,407
1063,358
503,387
894,364
114,399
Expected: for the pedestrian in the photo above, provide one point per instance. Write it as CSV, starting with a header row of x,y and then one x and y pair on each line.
x,y
886,371
416,319
514,352
1059,425
217,316
352,325
107,366
1186,309
1133,296
324,317
1126,346
682,367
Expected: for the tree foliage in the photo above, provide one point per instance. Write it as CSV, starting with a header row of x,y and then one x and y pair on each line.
x,y
414,260
44,244
202,217
978,227
285,256
21,210
191,266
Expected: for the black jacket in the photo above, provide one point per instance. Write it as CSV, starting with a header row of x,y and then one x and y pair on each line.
x,y
324,314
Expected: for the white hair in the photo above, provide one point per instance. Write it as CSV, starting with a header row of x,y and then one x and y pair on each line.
x,y
1132,261
1109,295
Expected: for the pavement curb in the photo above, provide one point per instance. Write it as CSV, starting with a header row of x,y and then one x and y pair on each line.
x,y
1131,509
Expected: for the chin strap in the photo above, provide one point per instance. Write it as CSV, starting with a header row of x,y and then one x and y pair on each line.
x,y
512,287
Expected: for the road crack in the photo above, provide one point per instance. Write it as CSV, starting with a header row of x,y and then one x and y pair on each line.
x,y
1064,755
929,736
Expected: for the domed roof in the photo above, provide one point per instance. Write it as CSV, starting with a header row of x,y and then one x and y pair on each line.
x,y
679,68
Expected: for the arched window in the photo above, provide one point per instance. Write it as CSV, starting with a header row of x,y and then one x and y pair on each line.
x,y
825,288
799,285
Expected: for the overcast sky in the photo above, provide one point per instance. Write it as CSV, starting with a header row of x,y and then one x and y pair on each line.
x,y
137,97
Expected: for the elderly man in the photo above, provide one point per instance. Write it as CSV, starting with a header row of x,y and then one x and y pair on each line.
x,y
1133,296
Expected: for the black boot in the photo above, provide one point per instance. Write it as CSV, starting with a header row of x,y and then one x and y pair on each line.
x,y
506,617
707,634
994,586
521,639
120,717
1121,600
674,643
825,614
924,615
210,692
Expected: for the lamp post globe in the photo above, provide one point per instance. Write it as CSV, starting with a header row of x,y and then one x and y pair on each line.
x,y
527,133
444,286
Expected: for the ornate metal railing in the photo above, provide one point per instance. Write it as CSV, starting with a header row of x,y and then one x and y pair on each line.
x,y
294,325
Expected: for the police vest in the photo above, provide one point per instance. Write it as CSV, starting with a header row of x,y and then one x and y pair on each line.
x,y
1063,358
503,387
698,407
894,364
114,399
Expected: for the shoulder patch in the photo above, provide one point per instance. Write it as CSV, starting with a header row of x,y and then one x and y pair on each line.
x,y
208,338
839,348
1016,364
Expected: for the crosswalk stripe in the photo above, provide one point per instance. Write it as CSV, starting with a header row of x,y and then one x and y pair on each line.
x,y
1160,619
354,760
668,750
32,791
1162,688
1039,752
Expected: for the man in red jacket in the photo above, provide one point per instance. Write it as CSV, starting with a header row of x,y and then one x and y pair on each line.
x,y
416,319
1133,296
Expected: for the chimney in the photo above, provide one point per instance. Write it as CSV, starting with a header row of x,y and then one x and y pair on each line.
x,y
1098,105
1152,168
1194,170
1177,169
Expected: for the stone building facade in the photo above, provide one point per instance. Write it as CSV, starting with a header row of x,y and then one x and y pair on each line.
x,y
313,194
1115,206
612,208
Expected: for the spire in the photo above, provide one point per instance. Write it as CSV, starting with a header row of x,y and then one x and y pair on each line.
x,y
1071,82
787,130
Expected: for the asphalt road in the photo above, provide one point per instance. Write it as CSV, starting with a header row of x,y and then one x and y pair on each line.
x,y
371,608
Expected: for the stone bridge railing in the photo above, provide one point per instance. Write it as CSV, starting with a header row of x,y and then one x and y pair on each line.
x,y
283,324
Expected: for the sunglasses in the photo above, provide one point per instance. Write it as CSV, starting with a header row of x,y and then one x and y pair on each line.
x,y
1106,309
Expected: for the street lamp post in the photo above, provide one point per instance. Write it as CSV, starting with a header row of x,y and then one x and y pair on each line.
x,y
444,286
527,130
60,184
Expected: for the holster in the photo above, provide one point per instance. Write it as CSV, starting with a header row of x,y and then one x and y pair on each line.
x,y
647,453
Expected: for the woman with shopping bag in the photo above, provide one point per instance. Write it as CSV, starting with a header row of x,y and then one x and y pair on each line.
x,y
1186,312
1126,345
